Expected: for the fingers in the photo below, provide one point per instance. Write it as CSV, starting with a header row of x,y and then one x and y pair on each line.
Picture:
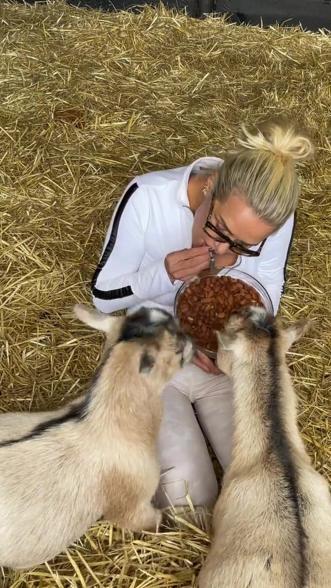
x,y
191,272
200,364
205,363
192,262
188,259
187,263
190,253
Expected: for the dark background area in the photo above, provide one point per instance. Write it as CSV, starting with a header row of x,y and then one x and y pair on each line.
x,y
311,14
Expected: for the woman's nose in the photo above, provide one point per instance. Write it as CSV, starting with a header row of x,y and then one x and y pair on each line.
x,y
216,246
210,242
221,247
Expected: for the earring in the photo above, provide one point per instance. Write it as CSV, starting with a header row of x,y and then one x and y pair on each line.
x,y
205,190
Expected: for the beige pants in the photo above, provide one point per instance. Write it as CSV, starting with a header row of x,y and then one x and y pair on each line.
x,y
196,405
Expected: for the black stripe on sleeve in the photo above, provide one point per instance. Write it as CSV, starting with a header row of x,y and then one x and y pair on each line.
x,y
289,249
112,294
125,290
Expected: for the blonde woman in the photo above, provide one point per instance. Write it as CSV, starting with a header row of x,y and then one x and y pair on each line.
x,y
165,229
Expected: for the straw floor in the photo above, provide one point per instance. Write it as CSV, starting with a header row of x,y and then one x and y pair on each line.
x,y
87,101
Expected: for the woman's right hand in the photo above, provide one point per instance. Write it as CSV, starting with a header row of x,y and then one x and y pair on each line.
x,y
187,263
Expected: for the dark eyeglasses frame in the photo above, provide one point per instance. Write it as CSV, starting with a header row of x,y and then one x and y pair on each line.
x,y
222,238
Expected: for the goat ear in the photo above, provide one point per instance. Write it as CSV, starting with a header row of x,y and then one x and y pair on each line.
x,y
223,340
97,320
295,331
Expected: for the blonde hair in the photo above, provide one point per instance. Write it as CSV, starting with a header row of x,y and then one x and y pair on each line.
x,y
263,169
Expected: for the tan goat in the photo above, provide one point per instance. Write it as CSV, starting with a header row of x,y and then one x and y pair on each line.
x,y
61,471
272,521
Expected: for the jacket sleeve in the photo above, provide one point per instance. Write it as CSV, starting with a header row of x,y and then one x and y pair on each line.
x,y
273,261
118,281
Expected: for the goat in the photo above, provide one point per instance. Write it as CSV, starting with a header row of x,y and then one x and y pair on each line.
x,y
272,520
63,470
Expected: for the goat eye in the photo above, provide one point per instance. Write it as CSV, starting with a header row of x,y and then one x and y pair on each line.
x,y
147,363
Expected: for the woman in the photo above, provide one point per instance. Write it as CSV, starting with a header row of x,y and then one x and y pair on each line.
x,y
164,231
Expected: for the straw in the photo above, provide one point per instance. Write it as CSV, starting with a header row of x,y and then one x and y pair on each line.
x,y
88,100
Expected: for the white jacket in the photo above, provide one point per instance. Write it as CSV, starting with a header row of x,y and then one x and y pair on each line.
x,y
153,219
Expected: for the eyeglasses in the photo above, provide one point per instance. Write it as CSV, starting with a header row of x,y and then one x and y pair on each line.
x,y
220,237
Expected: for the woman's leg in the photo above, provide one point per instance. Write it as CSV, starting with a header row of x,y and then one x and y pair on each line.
x,y
214,408
186,467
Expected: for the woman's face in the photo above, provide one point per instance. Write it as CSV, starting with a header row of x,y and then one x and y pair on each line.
x,y
233,217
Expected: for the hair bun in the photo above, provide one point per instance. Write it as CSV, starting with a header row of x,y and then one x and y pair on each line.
x,y
282,139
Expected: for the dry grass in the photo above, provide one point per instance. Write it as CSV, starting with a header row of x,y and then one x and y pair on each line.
x,y
87,101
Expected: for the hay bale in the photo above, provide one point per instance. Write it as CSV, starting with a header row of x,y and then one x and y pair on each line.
x,y
87,100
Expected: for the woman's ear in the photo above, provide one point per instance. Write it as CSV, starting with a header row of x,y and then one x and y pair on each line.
x,y
210,183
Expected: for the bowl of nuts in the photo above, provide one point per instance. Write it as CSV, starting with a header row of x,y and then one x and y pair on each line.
x,y
204,304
